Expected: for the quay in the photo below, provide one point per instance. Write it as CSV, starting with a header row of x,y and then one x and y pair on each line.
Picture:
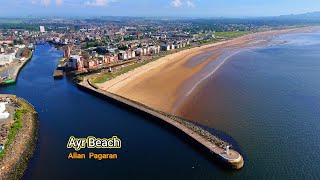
x,y
229,157
58,74
15,70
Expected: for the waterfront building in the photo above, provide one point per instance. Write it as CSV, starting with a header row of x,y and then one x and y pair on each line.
x,y
73,62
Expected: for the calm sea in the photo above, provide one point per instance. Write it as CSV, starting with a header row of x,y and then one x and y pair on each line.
x,y
268,100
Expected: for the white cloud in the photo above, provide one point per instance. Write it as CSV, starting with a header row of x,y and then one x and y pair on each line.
x,y
176,3
190,4
98,2
59,2
45,2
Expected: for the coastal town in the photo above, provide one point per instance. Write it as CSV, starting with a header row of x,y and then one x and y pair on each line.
x,y
91,45
104,45
98,47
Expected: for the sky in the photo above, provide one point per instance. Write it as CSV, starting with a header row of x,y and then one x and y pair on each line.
x,y
153,8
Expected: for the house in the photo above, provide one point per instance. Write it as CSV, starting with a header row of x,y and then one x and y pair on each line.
x,y
154,49
172,46
140,52
101,59
123,55
131,54
113,58
164,47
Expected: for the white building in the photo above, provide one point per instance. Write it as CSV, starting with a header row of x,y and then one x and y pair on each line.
x,y
6,58
42,29
172,46
123,55
3,113
154,49
73,61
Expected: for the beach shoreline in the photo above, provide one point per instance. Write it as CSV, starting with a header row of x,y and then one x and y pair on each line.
x,y
159,84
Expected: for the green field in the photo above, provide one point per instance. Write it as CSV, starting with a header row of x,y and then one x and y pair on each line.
x,y
107,76
231,33
10,21
208,41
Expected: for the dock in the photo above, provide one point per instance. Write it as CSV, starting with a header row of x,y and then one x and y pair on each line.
x,y
58,74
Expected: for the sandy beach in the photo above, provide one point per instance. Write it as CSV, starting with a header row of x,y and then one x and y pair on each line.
x,y
157,84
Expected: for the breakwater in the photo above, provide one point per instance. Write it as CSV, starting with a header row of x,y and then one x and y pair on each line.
x,y
211,145
19,150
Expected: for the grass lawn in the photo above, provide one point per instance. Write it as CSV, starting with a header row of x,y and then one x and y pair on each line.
x,y
208,41
107,76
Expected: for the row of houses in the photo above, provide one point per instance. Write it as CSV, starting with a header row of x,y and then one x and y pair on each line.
x,y
94,60
143,51
172,46
77,62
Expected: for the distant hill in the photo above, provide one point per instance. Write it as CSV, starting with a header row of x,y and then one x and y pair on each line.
x,y
305,16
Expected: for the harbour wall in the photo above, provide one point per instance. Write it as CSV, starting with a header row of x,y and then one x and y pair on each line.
x,y
199,143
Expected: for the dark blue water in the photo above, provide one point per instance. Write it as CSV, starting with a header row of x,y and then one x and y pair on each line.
x,y
268,99
148,150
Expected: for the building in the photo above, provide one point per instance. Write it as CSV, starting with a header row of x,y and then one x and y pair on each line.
x,y
140,52
123,55
101,59
112,58
64,41
6,58
131,54
154,49
3,113
67,51
164,47
42,29
73,62
172,46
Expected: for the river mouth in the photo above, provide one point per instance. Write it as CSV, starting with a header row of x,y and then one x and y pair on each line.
x,y
148,150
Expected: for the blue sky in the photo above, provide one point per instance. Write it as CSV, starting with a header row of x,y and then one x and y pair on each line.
x,y
193,8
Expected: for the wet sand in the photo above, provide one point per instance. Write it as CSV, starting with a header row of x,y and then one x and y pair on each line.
x,y
158,84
